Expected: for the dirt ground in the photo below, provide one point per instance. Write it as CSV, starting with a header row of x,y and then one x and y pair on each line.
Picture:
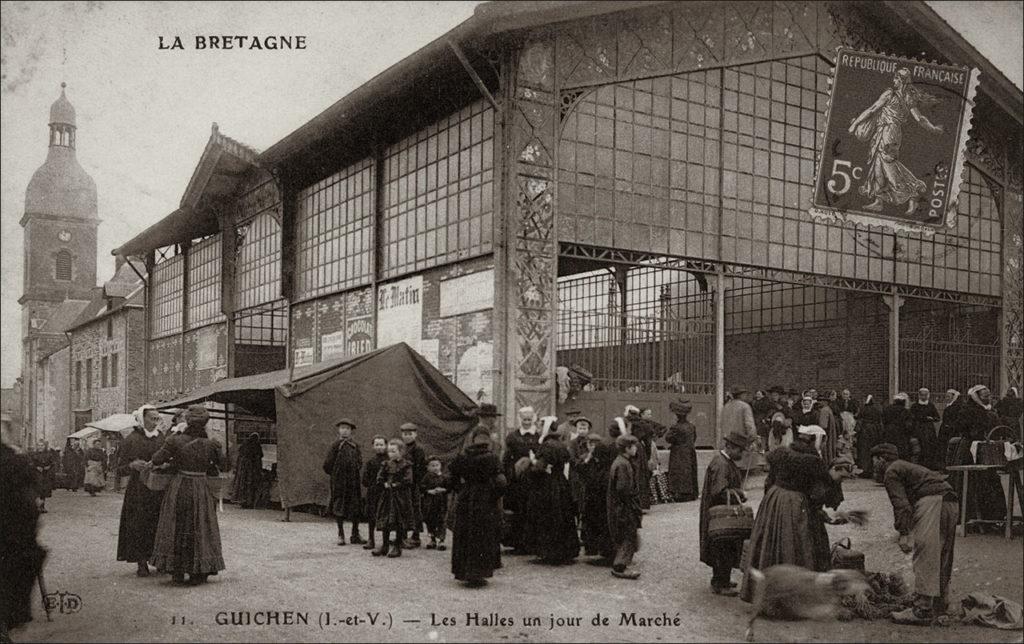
x,y
277,566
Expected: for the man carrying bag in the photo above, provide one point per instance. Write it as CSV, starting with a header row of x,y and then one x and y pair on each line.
x,y
724,521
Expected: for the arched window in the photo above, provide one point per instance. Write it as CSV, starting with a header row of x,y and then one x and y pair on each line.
x,y
63,265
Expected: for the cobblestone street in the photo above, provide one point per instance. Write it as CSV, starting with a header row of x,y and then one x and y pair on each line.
x,y
276,566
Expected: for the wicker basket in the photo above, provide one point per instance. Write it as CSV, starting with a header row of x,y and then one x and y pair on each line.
x,y
157,480
217,484
843,556
730,522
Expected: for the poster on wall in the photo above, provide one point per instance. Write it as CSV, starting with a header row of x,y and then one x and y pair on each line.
x,y
400,312
303,356
359,335
468,293
206,348
475,372
429,349
332,345
894,142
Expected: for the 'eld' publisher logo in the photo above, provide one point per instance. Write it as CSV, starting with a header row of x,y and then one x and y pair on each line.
x,y
64,602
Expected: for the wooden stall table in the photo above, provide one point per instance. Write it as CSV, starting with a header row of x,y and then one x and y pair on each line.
x,y
1014,486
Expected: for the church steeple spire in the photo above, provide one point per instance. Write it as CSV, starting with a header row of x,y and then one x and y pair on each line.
x,y
62,121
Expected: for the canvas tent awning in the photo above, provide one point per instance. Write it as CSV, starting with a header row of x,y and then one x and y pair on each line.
x,y
115,423
378,391
82,433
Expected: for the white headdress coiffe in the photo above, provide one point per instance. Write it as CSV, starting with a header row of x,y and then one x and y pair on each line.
x,y
973,393
140,420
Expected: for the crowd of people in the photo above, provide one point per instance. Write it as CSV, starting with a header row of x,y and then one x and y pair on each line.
x,y
811,445
555,490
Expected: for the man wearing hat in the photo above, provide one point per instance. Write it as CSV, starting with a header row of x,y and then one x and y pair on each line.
x,y
415,455
721,480
925,508
738,416
792,402
486,415
343,464
568,428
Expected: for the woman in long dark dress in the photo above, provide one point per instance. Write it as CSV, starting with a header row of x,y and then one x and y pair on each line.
x,y
476,474
593,471
789,527
188,535
551,513
45,466
895,426
985,498
869,431
248,472
74,465
682,460
140,512
950,427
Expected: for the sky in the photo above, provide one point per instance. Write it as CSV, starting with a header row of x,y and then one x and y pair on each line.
x,y
144,114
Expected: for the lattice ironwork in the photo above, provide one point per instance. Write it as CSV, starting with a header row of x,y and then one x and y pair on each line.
x,y
647,329
1012,332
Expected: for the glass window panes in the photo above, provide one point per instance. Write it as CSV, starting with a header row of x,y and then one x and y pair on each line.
x,y
204,283
334,232
439,193
168,282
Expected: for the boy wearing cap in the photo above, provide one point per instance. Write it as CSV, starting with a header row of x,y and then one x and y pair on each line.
x,y
722,479
415,455
925,509
373,487
624,514
343,464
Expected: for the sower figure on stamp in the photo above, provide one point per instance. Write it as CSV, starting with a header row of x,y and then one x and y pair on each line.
x,y
343,464
140,512
415,455
374,487
888,181
722,478
925,509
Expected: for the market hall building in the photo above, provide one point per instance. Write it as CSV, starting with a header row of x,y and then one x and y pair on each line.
x,y
594,204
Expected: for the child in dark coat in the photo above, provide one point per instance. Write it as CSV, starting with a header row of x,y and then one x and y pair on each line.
x,y
434,502
395,507
373,489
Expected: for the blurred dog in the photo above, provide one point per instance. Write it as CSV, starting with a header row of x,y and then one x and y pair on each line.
x,y
791,592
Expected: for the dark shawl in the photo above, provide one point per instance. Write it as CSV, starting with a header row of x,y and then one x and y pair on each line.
x,y
395,507
682,462
343,464
140,512
476,476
